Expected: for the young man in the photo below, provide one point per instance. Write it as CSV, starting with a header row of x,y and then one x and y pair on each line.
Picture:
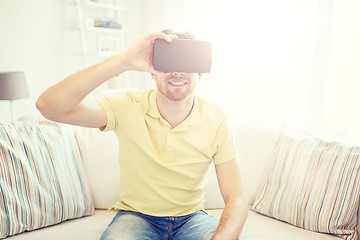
x,y
168,138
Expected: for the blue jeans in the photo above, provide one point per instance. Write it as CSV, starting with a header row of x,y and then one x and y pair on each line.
x,y
136,226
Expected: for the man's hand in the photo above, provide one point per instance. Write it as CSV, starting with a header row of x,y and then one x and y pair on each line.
x,y
139,55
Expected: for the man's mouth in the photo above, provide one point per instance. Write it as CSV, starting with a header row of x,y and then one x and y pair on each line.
x,y
176,83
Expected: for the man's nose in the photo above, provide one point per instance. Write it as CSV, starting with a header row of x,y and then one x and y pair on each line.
x,y
178,74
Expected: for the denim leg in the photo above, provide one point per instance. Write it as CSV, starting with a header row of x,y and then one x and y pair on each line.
x,y
200,226
129,226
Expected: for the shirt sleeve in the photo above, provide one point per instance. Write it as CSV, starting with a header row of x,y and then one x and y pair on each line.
x,y
225,144
113,106
107,105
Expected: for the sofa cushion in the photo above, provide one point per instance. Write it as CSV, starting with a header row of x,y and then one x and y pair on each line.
x,y
42,179
312,184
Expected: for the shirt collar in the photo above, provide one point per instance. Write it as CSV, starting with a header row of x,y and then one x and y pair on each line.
x,y
194,117
153,110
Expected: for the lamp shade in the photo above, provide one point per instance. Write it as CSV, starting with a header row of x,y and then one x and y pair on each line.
x,y
13,86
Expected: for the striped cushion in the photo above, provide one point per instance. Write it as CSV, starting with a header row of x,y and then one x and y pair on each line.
x,y
312,184
42,179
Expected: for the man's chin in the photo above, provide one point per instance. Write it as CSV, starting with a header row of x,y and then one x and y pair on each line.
x,y
176,98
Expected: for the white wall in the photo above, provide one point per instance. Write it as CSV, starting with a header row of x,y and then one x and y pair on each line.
x,y
290,61
32,40
40,37
341,103
281,61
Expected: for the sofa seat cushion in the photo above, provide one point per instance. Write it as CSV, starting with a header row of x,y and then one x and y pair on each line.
x,y
89,228
260,227
257,227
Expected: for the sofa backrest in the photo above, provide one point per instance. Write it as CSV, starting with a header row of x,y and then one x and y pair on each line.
x,y
100,149
254,145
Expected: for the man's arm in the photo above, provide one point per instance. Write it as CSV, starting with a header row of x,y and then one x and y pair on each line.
x,y
64,102
236,204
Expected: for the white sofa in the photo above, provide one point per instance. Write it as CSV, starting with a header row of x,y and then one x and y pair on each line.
x,y
255,146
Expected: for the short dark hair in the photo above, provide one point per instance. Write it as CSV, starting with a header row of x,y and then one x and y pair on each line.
x,y
181,35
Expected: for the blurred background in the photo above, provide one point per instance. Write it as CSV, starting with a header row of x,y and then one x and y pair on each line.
x,y
293,62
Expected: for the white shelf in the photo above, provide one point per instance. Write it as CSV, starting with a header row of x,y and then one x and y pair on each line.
x,y
109,39
105,5
105,30
90,25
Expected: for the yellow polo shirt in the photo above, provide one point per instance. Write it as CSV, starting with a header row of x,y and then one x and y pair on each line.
x,y
163,170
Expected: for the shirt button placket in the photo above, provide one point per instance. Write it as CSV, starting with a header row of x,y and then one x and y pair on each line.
x,y
169,149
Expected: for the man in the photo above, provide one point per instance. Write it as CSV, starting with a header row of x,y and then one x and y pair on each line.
x,y
168,138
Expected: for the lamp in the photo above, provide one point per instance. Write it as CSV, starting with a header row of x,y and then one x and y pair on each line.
x,y
13,86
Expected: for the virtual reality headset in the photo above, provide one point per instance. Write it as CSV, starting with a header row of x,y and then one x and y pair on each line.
x,y
182,55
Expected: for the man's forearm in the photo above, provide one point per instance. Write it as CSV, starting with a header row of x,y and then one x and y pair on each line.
x,y
67,94
232,220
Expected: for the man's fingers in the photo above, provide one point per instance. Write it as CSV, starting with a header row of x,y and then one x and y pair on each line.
x,y
166,37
